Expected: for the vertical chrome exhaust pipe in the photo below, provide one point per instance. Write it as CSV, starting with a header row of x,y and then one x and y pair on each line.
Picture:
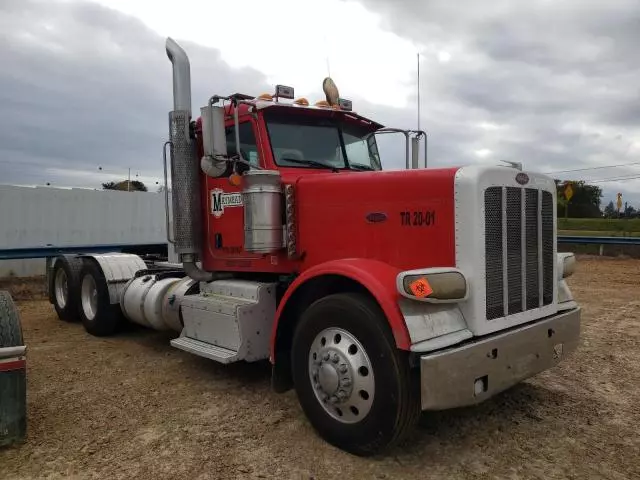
x,y
185,173
181,76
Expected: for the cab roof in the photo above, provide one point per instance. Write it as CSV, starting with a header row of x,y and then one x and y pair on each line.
x,y
260,104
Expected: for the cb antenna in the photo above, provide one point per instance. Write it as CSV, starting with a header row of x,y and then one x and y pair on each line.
x,y
418,58
326,48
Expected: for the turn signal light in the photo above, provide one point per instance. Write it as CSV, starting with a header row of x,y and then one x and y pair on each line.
x,y
435,285
235,180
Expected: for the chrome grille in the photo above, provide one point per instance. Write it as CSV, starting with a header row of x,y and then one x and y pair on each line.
x,y
518,250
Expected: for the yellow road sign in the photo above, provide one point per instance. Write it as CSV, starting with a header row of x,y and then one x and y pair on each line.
x,y
568,192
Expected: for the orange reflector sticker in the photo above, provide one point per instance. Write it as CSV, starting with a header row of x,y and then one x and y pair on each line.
x,y
420,287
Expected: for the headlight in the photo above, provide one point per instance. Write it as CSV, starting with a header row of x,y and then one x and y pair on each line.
x,y
566,265
435,285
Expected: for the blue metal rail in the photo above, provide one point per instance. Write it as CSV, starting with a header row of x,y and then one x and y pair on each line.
x,y
53,251
599,240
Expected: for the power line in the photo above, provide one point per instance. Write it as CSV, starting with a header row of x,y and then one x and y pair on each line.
x,y
614,179
593,168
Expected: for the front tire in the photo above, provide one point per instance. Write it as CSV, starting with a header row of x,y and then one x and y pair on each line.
x,y
98,315
354,385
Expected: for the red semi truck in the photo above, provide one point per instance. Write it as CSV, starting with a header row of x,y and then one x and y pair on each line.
x,y
374,294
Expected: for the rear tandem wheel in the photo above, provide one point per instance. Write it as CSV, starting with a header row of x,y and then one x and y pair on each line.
x,y
99,316
64,287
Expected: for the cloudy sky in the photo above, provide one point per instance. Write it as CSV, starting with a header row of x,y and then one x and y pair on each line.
x,y
554,84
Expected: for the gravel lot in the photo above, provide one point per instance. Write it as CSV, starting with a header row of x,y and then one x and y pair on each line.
x,y
133,407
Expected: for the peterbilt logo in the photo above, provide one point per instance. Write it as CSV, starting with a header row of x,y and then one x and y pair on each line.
x,y
376,217
522,178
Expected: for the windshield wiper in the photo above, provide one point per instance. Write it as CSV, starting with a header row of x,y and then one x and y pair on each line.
x,y
357,166
311,163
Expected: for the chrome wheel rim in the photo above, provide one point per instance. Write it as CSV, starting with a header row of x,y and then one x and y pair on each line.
x,y
61,288
341,375
89,297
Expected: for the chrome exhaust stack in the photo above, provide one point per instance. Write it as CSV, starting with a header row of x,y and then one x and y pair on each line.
x,y
185,179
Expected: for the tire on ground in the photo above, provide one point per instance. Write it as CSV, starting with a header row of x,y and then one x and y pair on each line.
x,y
66,269
98,315
13,383
395,408
10,328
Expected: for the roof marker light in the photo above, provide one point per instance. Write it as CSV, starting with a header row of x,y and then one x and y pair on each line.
x,y
266,96
301,101
322,104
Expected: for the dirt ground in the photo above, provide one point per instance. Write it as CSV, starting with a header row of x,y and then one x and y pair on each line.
x,y
133,407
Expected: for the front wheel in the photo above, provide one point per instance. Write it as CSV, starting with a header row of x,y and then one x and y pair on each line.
x,y
352,382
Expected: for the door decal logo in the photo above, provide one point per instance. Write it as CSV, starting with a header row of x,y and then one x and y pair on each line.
x,y
221,200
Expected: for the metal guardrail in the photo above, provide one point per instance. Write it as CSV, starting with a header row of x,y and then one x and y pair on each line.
x,y
599,240
53,251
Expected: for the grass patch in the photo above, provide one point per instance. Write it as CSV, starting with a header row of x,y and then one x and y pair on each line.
x,y
597,233
596,226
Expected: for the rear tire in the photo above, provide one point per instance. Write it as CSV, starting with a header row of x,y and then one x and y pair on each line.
x,y
98,315
10,328
354,385
65,287
13,383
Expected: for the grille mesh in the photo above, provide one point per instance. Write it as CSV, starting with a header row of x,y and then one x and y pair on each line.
x,y
514,249
493,252
532,263
519,248
547,246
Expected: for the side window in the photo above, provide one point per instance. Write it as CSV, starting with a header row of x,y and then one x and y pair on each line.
x,y
248,146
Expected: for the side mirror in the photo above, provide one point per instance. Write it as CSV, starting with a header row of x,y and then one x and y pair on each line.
x,y
214,140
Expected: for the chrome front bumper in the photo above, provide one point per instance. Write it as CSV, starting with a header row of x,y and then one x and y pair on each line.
x,y
470,374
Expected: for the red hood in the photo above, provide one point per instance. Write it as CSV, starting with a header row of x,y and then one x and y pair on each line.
x,y
404,218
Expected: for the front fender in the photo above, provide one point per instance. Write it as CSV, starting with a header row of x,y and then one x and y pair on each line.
x,y
377,277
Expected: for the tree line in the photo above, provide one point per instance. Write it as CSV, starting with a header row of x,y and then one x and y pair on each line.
x,y
586,202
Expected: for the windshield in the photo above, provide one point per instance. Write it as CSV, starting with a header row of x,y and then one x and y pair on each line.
x,y
313,142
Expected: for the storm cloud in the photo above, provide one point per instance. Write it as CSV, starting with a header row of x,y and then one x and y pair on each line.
x,y
551,84
85,87
555,85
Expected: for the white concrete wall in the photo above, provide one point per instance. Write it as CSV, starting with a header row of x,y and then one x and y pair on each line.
x,y
35,217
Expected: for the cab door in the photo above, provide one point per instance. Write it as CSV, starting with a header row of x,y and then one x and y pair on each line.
x,y
225,212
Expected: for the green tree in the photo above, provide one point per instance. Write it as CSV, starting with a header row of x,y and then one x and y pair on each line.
x,y
585,202
630,211
125,185
610,210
